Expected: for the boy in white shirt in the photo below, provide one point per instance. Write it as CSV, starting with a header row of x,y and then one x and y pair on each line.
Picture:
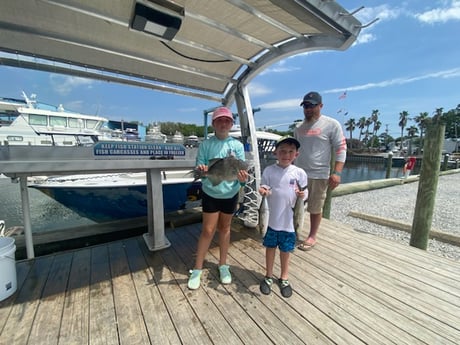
x,y
280,183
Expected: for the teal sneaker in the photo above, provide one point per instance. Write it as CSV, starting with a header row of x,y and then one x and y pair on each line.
x,y
194,280
225,276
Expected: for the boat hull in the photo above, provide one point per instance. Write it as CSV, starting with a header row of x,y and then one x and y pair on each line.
x,y
106,203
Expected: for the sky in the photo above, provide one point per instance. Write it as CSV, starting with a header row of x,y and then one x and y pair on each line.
x,y
409,60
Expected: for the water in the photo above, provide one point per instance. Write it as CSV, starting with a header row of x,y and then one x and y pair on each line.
x,y
47,214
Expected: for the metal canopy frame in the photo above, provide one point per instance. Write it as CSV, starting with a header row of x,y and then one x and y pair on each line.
x,y
220,45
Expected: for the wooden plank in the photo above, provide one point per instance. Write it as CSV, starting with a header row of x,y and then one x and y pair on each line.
x,y
228,303
47,321
395,297
22,270
413,271
102,318
157,320
75,317
131,327
351,288
26,303
211,318
415,256
322,310
348,287
21,318
273,314
186,323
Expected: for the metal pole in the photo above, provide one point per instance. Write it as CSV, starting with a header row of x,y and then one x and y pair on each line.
x,y
26,217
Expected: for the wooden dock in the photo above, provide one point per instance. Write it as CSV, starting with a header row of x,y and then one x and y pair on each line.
x,y
352,288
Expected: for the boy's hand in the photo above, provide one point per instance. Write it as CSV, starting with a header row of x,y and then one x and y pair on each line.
x,y
264,190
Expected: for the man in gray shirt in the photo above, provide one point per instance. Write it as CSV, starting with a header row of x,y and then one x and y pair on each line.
x,y
319,137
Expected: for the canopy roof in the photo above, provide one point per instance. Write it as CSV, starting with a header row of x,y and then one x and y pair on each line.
x,y
219,44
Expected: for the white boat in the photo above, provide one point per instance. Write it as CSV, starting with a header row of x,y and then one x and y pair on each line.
x,y
154,135
28,122
177,138
107,197
192,141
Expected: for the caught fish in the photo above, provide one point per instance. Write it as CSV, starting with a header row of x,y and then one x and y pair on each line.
x,y
263,216
299,210
222,169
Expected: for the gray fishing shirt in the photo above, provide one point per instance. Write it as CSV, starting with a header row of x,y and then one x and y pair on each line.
x,y
317,140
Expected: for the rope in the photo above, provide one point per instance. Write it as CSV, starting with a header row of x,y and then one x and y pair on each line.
x,y
251,201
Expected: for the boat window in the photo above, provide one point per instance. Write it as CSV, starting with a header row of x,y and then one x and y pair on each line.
x,y
75,123
38,120
7,117
14,138
91,124
58,121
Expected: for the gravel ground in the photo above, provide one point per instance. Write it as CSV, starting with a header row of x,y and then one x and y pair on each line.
x,y
398,203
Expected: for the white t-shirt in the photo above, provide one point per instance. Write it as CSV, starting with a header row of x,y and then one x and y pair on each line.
x,y
317,139
281,201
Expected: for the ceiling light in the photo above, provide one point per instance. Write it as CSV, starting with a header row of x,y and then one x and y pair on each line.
x,y
158,20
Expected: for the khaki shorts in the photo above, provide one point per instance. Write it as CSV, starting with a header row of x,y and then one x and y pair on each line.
x,y
316,195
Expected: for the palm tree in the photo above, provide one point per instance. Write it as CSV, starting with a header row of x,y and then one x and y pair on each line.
x,y
361,125
411,131
377,125
375,119
420,121
403,117
350,126
367,123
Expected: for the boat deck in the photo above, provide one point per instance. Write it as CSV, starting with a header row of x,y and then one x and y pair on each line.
x,y
352,288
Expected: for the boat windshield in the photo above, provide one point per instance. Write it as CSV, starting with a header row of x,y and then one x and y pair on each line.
x,y
7,117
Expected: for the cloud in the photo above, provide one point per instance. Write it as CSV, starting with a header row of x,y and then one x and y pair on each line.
x,y
66,84
257,89
294,102
441,15
365,38
451,73
368,14
283,104
383,12
280,67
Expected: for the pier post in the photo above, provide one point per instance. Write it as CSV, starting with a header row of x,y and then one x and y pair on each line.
x,y
428,183
445,162
389,165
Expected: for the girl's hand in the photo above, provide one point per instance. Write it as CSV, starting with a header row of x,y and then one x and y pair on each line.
x,y
202,167
243,176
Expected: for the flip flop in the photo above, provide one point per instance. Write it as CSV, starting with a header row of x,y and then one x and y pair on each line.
x,y
306,246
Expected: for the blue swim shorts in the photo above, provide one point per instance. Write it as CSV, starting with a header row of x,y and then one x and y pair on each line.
x,y
284,240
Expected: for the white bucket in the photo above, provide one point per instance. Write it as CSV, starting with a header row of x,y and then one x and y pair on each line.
x,y
8,280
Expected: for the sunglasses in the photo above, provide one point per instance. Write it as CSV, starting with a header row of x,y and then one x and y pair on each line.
x,y
309,105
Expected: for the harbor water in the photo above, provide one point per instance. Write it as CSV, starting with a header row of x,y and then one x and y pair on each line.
x,y
47,214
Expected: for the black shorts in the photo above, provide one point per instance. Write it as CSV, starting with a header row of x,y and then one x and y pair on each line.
x,y
211,205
